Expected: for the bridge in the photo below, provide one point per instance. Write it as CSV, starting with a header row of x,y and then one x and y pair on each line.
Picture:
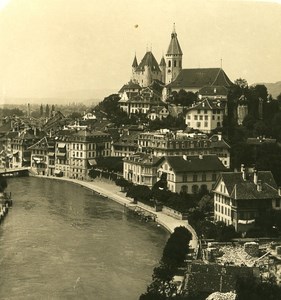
x,y
15,172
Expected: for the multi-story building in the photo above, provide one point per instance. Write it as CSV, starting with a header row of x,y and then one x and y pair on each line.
x,y
161,143
141,168
84,146
241,197
190,173
39,156
206,115
20,148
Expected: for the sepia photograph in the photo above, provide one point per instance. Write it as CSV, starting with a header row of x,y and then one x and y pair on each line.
x,y
140,149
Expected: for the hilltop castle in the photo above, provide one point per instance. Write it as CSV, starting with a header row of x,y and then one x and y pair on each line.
x,y
170,72
166,71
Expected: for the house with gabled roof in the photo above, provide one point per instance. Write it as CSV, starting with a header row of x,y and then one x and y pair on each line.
x,y
158,112
241,197
39,156
190,173
206,115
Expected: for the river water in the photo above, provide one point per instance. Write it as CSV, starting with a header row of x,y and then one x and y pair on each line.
x,y
59,241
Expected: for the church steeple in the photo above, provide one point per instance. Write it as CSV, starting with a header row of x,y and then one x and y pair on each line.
x,y
173,58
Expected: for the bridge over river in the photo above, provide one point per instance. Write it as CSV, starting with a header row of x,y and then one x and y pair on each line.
x,y
16,172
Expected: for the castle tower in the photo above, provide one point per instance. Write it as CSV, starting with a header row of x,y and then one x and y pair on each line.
x,y
134,68
162,66
173,58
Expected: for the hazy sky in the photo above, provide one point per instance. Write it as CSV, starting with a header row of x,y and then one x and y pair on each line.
x,y
51,47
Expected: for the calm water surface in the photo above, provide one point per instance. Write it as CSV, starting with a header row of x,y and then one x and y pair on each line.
x,y
60,241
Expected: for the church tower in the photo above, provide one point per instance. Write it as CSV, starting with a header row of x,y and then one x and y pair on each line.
x,y
173,58
134,68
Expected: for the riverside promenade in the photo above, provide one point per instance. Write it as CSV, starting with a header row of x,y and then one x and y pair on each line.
x,y
108,189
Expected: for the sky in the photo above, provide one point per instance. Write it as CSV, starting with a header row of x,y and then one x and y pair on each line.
x,y
54,48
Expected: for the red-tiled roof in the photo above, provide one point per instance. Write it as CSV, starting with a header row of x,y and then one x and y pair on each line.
x,y
130,86
213,91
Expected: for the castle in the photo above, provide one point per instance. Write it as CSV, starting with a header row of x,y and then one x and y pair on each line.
x,y
166,71
170,72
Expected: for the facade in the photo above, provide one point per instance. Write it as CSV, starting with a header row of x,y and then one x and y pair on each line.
x,y
20,148
141,168
178,144
190,173
241,197
206,115
39,156
158,112
147,71
143,101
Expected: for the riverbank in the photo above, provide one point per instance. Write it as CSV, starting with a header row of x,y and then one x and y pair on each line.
x,y
108,189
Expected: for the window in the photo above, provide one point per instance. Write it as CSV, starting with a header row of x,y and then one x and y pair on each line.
x,y
184,178
200,117
195,177
213,117
277,202
198,124
205,111
188,117
206,118
175,63
214,177
195,117
198,111
205,124
195,189
203,176
169,64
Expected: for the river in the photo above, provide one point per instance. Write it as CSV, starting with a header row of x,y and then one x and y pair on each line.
x,y
61,241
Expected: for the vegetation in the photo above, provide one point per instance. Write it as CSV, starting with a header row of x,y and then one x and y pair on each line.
x,y
3,184
173,257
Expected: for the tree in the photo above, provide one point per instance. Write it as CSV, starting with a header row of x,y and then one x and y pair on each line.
x,y
140,192
3,184
206,204
41,110
75,115
123,183
242,83
47,111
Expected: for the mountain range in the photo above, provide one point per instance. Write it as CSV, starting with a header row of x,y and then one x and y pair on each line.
x,y
273,88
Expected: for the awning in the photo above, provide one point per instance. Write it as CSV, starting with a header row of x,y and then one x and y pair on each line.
x,y
92,162
58,172
61,145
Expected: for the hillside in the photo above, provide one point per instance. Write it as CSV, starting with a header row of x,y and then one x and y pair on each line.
x,y
273,88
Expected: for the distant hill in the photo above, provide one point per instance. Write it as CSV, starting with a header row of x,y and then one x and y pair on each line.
x,y
273,88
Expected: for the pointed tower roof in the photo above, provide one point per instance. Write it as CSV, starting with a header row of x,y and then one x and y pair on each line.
x,y
162,62
174,47
135,62
150,61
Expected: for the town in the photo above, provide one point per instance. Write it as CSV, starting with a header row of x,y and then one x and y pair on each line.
x,y
188,142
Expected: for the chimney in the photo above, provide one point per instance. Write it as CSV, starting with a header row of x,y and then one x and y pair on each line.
x,y
200,156
219,136
243,171
255,177
279,191
259,188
